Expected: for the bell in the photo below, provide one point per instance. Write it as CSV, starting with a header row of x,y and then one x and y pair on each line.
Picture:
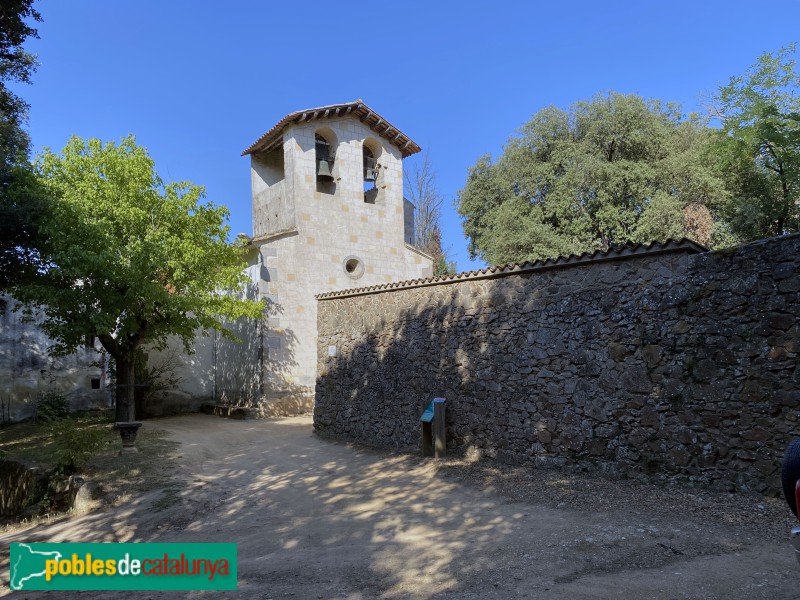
x,y
369,168
324,170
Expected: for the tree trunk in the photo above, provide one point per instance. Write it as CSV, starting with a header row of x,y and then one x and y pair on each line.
x,y
126,378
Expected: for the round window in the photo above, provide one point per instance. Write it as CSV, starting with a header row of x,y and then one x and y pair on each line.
x,y
354,267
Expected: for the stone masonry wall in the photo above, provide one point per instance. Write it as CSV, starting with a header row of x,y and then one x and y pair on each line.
x,y
667,365
27,369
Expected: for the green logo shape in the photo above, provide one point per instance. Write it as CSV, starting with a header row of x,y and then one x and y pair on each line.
x,y
44,566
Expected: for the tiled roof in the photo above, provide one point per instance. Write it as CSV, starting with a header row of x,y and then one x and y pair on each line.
x,y
369,117
670,246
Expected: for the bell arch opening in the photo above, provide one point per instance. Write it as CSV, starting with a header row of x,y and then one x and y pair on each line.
x,y
325,144
371,151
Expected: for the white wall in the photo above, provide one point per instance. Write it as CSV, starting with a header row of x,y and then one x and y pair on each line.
x,y
331,228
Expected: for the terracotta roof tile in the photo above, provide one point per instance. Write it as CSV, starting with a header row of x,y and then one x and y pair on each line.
x,y
369,117
682,245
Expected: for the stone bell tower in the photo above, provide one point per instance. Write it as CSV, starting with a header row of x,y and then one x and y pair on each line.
x,y
328,214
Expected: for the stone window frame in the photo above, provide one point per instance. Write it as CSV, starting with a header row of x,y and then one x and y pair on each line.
x,y
353,266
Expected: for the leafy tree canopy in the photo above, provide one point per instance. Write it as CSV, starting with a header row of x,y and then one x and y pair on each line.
x,y
610,170
759,146
21,199
130,259
15,65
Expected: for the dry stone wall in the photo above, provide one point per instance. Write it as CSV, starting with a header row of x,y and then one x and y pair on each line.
x,y
671,365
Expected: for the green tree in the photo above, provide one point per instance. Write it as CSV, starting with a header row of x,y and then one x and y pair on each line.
x,y
759,146
614,169
131,260
21,199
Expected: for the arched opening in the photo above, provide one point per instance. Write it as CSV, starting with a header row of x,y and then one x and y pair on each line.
x,y
325,160
371,151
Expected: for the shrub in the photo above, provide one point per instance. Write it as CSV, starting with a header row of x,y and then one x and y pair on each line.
x,y
51,405
75,444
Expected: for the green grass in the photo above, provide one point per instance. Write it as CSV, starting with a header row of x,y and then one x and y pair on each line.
x,y
116,477
32,442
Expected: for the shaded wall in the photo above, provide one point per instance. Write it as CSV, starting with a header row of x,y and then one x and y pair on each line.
x,y
185,381
18,486
669,365
249,371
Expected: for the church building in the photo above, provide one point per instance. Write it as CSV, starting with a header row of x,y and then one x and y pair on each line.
x,y
328,214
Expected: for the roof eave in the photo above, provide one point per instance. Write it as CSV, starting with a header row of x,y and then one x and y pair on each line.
x,y
366,115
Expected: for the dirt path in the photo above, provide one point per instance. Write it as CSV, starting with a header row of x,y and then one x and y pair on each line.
x,y
315,519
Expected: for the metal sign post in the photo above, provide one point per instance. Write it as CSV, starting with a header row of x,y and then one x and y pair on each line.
x,y
434,431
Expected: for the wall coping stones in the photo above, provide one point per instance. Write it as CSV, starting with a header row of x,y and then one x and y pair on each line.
x,y
682,366
612,254
416,250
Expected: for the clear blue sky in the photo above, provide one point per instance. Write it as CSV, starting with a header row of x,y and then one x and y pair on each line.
x,y
198,81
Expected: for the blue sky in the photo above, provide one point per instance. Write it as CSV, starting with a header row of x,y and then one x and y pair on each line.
x,y
198,81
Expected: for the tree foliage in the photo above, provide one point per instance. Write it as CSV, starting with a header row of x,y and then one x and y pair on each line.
x,y
610,170
130,260
759,146
15,65
21,199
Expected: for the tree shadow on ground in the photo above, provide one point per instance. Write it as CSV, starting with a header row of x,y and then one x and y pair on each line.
x,y
368,525
314,519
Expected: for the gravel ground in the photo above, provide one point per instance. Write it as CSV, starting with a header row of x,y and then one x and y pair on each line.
x,y
318,519
768,517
